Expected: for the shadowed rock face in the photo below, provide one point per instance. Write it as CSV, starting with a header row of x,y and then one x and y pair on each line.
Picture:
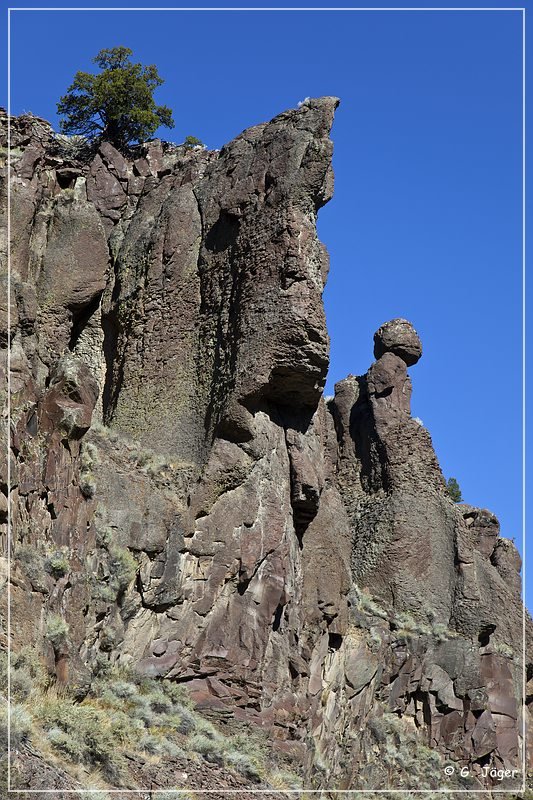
x,y
299,565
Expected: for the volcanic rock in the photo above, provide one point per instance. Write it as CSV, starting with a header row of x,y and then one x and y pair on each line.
x,y
399,337
297,564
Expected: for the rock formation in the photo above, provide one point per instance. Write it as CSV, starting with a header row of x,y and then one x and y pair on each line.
x,y
297,564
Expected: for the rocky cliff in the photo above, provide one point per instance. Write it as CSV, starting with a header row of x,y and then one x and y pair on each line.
x,y
186,505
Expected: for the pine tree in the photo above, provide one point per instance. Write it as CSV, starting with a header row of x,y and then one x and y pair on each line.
x,y
454,490
115,105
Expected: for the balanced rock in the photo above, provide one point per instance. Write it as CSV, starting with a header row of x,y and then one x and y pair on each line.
x,y
399,337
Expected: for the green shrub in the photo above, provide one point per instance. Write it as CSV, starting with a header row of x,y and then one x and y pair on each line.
x,y
281,779
142,711
176,794
57,564
380,728
126,713
124,690
191,142
72,747
441,632
88,455
366,603
186,721
244,764
153,464
20,725
27,658
206,728
88,458
105,591
407,624
209,747
454,490
176,692
504,649
105,432
160,746
401,749
71,147
114,692
56,630
21,684
148,702
123,567
159,703
104,533
85,734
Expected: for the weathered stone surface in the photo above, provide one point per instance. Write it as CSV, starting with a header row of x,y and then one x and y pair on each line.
x,y
299,565
506,558
483,527
400,338
360,667
402,521
68,403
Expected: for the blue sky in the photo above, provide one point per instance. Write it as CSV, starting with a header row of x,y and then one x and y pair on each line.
x,y
426,218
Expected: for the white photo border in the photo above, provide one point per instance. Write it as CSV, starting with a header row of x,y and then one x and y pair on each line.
x,y
178,792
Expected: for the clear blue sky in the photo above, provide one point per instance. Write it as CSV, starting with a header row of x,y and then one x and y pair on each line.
x,y
426,218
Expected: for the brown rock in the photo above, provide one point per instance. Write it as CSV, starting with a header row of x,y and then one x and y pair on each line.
x,y
400,338
484,735
483,527
297,563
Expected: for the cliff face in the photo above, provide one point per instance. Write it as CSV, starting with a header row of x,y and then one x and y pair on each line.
x,y
298,565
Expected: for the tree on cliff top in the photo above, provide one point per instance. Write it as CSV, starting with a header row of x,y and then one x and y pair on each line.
x,y
117,104
454,490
